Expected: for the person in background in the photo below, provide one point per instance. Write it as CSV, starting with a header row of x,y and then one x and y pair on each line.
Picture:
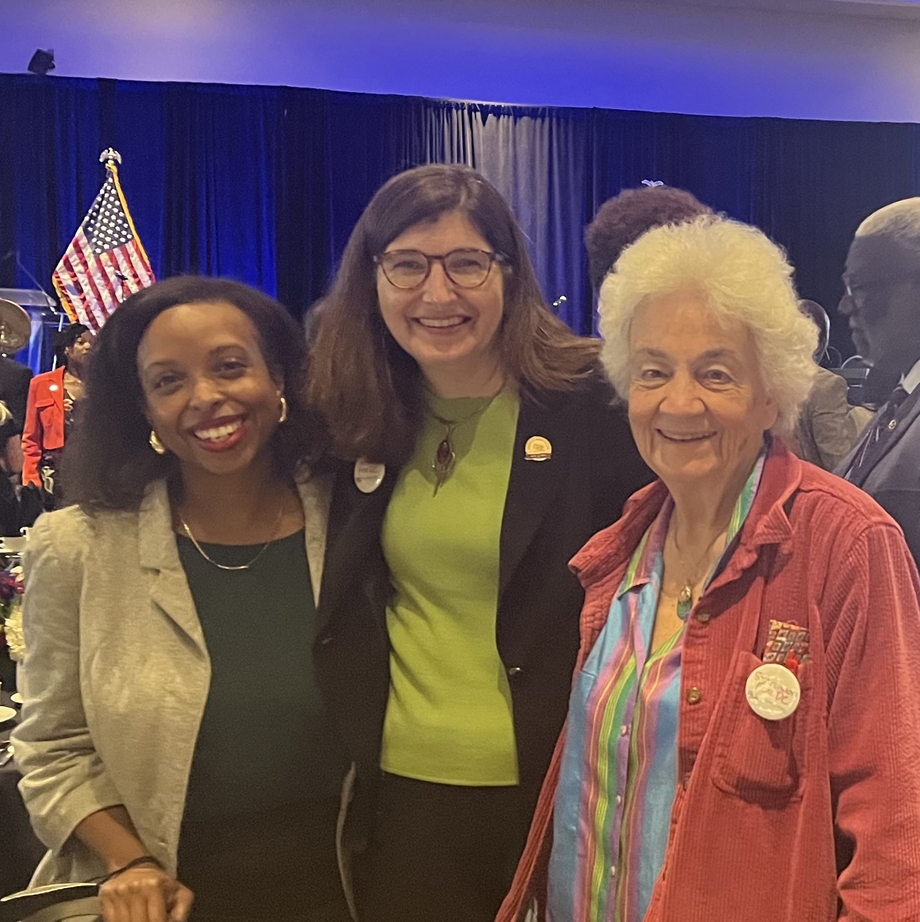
x,y
480,450
14,388
174,736
623,219
828,426
51,411
882,303
14,392
743,737
10,464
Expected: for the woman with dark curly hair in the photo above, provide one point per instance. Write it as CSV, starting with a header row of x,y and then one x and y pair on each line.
x,y
623,219
174,736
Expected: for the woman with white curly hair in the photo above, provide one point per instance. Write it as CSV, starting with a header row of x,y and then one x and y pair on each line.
x,y
743,736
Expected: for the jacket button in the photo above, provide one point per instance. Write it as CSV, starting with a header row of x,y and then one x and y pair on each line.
x,y
694,695
703,617
514,671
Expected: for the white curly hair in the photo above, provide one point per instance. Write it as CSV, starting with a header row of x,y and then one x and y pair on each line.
x,y
741,274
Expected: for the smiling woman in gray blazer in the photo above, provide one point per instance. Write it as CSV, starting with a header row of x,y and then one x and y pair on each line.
x,y
174,736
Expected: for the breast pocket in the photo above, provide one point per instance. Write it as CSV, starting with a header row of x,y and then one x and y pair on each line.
x,y
758,760
45,408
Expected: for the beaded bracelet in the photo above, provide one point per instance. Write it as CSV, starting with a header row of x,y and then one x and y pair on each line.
x,y
143,859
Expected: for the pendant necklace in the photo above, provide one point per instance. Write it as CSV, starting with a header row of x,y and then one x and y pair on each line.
x,y
226,566
444,456
685,596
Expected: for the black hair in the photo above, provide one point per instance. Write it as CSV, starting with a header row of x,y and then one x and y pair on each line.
x,y
623,219
64,340
108,461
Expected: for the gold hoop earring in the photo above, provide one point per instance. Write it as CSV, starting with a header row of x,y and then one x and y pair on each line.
x,y
156,444
283,415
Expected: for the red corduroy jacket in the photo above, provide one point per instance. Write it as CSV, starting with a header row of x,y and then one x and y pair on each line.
x,y
808,819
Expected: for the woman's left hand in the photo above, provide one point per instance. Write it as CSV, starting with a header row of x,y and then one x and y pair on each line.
x,y
145,893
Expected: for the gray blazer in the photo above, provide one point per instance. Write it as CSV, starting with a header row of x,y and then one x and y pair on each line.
x,y
828,426
893,481
116,674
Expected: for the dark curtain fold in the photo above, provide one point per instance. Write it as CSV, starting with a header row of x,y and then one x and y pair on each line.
x,y
265,184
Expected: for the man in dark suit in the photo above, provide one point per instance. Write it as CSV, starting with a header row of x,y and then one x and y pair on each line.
x,y
14,391
14,388
883,284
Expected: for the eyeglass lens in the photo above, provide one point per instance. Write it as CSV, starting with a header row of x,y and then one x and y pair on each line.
x,y
409,268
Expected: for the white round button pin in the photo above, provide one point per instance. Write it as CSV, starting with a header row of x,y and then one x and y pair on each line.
x,y
368,476
773,691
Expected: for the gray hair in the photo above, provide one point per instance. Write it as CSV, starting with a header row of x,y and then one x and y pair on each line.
x,y
900,220
897,226
741,275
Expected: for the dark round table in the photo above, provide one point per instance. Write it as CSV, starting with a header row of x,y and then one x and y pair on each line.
x,y
20,850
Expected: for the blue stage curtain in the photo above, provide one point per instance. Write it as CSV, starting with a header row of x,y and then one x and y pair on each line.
x,y
264,184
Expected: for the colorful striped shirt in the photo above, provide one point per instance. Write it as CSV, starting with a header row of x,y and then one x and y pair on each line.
x,y
619,770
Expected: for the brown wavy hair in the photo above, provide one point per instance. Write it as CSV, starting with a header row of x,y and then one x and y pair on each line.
x,y
364,385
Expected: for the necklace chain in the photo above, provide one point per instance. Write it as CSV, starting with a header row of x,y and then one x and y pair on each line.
x,y
444,455
226,566
690,577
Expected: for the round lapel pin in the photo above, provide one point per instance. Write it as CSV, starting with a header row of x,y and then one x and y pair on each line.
x,y
538,448
368,475
773,691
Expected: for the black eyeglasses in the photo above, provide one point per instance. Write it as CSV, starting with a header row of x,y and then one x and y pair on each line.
x,y
467,268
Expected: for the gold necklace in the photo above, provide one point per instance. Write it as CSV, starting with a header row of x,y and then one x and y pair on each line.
x,y
444,455
691,577
226,566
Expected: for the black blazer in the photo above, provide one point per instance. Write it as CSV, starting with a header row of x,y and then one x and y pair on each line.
x,y
552,508
14,388
892,478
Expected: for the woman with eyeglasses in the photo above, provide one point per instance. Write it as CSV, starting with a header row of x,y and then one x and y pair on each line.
x,y
480,451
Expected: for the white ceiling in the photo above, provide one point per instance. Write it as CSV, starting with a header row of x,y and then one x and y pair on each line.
x,y
894,9
887,9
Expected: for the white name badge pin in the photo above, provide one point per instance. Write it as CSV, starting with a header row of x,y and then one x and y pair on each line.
x,y
773,691
538,448
368,476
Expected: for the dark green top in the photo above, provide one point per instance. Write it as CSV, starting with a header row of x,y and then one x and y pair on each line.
x,y
265,740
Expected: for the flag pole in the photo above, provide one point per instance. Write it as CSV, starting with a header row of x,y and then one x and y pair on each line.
x,y
109,157
60,327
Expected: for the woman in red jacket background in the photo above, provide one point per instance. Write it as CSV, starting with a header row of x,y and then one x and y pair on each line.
x,y
50,413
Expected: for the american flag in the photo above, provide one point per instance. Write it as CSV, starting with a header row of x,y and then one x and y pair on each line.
x,y
105,262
